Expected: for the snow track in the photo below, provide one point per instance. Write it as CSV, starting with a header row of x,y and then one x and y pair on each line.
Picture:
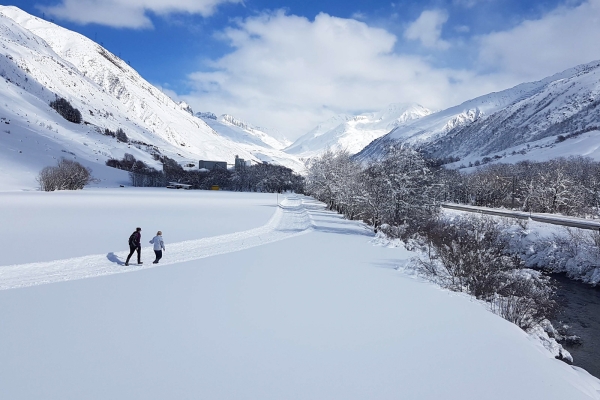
x,y
292,218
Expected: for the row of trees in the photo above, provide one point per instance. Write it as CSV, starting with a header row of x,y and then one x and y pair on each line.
x,y
399,195
570,186
256,178
140,173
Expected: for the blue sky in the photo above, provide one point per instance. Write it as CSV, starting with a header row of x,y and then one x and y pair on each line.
x,y
290,64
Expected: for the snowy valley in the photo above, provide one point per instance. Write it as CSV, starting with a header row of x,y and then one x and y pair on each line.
x,y
41,61
338,291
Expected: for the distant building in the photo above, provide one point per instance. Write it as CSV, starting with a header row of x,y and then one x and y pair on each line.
x,y
212,165
240,163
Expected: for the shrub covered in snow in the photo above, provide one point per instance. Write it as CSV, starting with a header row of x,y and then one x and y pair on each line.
x,y
575,252
67,175
474,254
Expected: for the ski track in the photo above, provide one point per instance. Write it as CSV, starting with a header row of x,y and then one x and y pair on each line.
x,y
292,218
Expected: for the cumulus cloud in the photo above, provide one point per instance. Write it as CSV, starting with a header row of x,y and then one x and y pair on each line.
x,y
428,29
128,13
537,48
289,73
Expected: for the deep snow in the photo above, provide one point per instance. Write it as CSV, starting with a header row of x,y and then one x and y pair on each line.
x,y
318,312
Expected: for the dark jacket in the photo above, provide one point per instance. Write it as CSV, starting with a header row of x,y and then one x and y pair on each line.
x,y
134,239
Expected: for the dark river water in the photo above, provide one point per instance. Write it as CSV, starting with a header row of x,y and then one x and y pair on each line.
x,y
581,311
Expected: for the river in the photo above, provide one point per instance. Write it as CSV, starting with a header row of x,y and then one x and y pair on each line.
x,y
581,311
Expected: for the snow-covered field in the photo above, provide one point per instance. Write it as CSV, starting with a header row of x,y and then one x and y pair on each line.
x,y
290,302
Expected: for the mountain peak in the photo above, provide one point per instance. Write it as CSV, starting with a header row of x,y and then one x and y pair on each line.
x,y
526,119
353,133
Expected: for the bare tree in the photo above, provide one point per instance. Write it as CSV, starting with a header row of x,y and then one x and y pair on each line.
x,y
66,175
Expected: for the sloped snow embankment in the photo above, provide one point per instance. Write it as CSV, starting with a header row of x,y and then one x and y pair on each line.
x,y
292,218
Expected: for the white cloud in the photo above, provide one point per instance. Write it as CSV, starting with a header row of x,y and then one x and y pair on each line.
x,y
289,73
428,29
534,49
128,13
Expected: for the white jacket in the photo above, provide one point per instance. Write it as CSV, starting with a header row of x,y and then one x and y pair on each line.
x,y
158,242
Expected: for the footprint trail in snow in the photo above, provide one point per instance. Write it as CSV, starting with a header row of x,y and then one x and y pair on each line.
x,y
292,218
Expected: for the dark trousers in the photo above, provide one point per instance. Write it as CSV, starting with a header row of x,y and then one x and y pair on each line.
x,y
132,249
158,255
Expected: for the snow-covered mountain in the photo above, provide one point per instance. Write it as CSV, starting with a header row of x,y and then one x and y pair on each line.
x,y
40,61
556,116
353,133
252,139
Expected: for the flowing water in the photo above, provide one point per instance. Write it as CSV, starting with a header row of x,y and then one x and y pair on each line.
x,y
581,311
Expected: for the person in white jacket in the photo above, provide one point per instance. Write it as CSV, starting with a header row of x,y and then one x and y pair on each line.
x,y
159,246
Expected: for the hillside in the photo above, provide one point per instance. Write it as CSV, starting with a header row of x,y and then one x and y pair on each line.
x,y
523,122
353,133
41,61
253,140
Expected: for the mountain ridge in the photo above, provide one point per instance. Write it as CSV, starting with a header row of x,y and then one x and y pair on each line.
x,y
532,113
353,132
41,61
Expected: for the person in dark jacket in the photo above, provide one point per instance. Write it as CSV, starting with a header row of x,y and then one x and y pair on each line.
x,y
135,241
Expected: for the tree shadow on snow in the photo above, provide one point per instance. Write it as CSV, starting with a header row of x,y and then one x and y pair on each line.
x,y
112,257
389,264
350,230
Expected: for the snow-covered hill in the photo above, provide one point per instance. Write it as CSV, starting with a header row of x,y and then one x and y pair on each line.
x,y
254,140
353,133
40,61
517,123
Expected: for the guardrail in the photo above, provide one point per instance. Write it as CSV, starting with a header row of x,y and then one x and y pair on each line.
x,y
546,218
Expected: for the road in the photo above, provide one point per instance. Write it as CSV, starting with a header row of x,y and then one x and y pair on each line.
x,y
547,218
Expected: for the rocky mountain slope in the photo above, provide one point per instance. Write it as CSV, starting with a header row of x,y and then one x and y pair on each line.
x,y
555,116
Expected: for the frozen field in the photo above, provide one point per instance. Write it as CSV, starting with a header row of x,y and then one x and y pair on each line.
x,y
289,302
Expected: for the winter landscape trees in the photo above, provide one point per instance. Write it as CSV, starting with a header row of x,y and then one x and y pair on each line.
x,y
266,178
395,194
66,110
66,175
399,195
473,254
569,186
